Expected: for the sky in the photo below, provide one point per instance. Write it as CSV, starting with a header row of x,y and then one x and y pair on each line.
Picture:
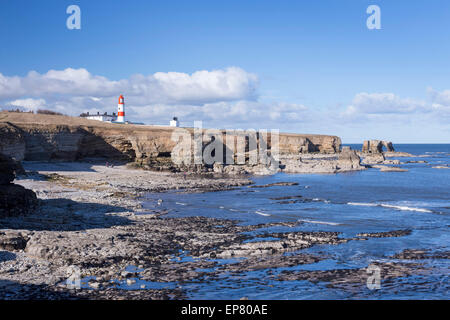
x,y
297,66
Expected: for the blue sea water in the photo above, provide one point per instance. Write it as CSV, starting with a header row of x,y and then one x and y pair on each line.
x,y
350,203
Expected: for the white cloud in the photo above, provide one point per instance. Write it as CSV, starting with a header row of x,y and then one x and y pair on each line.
x,y
217,96
440,102
383,103
169,88
442,98
28,104
242,114
225,98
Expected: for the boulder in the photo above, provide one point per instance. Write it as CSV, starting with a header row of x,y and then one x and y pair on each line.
x,y
12,240
15,200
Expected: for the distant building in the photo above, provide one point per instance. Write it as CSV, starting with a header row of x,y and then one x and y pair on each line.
x,y
174,122
100,117
105,117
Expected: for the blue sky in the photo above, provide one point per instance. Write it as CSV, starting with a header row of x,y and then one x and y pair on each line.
x,y
300,66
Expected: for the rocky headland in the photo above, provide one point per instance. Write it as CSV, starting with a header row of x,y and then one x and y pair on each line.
x,y
70,209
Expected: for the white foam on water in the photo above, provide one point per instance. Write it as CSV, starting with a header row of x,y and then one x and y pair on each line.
x,y
405,208
262,214
180,203
391,206
321,222
362,204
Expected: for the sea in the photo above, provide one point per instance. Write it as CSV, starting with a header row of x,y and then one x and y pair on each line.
x,y
368,201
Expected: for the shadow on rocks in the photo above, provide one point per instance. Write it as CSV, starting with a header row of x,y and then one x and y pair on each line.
x,y
68,215
11,290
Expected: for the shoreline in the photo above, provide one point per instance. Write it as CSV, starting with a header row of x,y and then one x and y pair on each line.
x,y
91,217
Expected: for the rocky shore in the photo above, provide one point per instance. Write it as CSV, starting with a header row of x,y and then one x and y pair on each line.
x,y
90,219
68,216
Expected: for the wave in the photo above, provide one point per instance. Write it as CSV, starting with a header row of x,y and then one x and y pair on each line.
x,y
262,214
362,204
391,206
321,222
321,200
405,208
180,203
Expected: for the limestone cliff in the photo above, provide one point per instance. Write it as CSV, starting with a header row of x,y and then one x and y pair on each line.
x,y
25,136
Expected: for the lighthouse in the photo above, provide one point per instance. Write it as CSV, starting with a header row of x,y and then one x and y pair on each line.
x,y
121,110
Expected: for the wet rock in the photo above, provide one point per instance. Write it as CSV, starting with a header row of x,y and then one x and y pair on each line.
x,y
391,161
441,167
416,161
388,234
287,198
351,279
288,242
392,169
271,262
397,154
417,254
276,184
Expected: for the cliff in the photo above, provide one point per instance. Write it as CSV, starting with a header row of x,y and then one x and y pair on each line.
x,y
26,136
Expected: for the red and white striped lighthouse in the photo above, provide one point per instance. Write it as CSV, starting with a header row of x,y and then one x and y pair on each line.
x,y
121,110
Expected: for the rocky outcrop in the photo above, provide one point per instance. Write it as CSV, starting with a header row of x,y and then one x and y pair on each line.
x,y
349,160
376,146
12,142
373,158
14,199
296,143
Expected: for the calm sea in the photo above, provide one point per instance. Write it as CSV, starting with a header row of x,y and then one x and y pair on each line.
x,y
350,203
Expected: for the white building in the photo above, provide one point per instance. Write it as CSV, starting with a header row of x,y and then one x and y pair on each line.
x,y
174,122
100,117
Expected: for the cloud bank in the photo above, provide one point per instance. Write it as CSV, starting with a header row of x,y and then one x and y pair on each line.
x,y
230,94
226,98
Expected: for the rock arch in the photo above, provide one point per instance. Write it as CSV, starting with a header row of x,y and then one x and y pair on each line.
x,y
376,146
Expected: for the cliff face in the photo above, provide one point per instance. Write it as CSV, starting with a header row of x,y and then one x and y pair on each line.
x,y
44,138
297,143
